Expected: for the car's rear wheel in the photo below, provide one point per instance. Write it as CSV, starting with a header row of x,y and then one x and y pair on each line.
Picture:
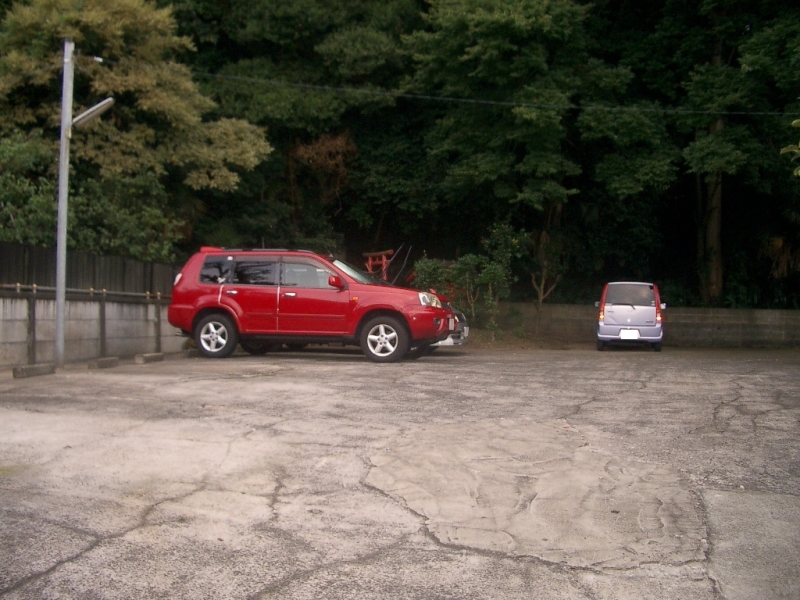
x,y
384,339
601,345
657,346
216,336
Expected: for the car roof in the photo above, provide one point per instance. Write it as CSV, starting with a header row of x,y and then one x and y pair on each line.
x,y
219,250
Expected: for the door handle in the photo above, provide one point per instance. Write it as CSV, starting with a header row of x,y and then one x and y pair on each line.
x,y
290,294
231,292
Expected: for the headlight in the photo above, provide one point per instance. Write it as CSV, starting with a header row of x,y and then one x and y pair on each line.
x,y
427,299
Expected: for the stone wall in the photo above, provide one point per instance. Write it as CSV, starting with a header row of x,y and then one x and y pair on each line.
x,y
697,327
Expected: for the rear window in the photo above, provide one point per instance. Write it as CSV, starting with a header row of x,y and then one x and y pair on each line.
x,y
257,272
631,293
216,269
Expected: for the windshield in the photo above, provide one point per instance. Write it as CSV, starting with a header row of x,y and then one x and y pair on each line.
x,y
357,274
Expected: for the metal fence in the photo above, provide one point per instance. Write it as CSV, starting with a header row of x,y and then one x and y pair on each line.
x,y
36,265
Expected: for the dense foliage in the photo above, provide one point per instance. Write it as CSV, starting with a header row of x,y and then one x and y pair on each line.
x,y
135,173
548,145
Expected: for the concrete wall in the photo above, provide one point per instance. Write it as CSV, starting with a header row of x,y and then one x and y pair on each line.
x,y
130,329
698,327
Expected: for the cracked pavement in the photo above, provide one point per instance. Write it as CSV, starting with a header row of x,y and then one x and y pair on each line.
x,y
538,473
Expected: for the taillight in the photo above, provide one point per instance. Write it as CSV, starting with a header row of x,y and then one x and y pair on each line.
x,y
658,304
601,314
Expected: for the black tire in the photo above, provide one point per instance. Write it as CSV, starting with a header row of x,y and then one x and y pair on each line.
x,y
216,336
295,346
657,346
258,348
601,345
384,339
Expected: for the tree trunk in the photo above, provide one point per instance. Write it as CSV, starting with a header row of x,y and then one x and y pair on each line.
x,y
709,249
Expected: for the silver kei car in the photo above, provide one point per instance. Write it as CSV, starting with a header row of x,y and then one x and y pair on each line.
x,y
630,311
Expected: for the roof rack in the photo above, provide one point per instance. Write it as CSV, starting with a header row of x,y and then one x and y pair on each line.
x,y
220,249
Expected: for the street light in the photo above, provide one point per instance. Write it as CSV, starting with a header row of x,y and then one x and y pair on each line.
x,y
67,122
93,113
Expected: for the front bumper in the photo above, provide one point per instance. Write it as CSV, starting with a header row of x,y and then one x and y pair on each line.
x,y
459,338
431,324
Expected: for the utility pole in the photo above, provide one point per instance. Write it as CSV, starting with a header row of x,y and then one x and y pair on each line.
x,y
67,122
63,190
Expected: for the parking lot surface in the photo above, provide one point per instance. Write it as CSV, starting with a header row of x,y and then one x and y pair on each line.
x,y
539,473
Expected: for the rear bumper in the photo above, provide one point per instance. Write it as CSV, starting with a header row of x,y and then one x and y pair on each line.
x,y
615,333
180,316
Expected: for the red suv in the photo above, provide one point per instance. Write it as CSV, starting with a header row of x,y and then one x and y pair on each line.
x,y
263,298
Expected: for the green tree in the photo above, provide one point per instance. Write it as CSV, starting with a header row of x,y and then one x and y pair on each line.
x,y
793,149
475,282
687,58
432,274
465,281
772,56
519,61
289,67
592,126
27,195
160,131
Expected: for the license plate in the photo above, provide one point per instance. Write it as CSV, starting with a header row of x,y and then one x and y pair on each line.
x,y
629,334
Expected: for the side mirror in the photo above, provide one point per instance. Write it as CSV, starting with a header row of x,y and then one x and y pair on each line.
x,y
336,282
663,306
597,304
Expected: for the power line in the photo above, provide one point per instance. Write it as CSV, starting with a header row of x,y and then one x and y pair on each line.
x,y
455,100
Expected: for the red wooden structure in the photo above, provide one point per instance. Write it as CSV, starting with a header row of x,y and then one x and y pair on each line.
x,y
378,262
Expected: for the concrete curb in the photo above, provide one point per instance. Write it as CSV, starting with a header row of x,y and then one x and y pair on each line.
x,y
104,363
143,359
34,370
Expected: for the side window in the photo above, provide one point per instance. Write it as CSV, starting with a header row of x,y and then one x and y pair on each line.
x,y
262,272
304,274
216,269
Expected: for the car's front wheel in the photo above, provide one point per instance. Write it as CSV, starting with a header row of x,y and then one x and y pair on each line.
x,y
216,336
384,339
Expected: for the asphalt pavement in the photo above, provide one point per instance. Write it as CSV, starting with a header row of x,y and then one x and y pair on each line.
x,y
548,473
